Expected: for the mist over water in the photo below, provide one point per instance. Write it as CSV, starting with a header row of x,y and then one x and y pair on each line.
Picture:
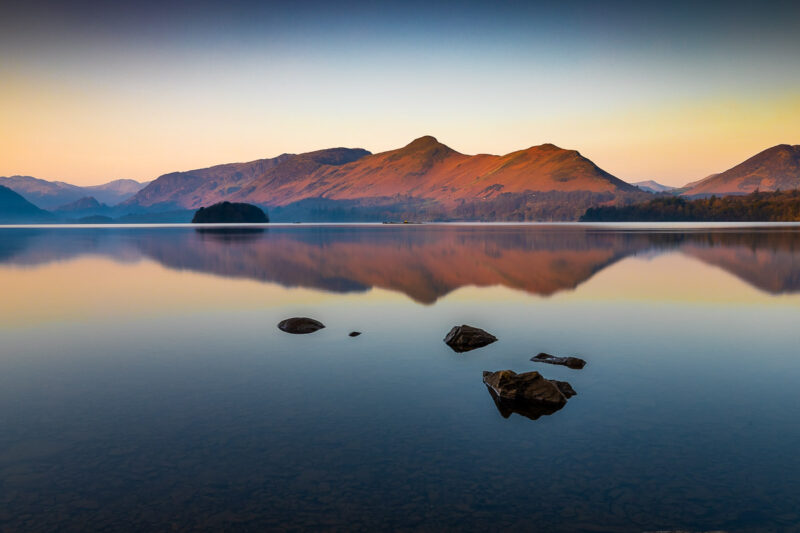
x,y
144,383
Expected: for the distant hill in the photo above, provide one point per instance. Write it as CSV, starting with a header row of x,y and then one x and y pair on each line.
x,y
53,194
424,179
84,204
16,209
774,168
116,191
653,186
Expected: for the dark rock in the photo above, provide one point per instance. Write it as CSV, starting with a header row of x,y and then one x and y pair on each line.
x,y
565,388
528,394
229,213
528,387
299,325
354,333
571,362
465,338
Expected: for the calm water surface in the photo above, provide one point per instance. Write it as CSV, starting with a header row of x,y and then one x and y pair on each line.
x,y
144,384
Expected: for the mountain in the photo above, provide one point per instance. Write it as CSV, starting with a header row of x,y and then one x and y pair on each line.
x,y
116,191
16,209
53,194
774,168
198,188
653,186
84,204
424,178
43,193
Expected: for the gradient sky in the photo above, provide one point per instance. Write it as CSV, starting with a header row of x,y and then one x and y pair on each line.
x,y
93,91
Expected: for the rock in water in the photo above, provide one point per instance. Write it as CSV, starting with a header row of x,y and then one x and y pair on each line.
x,y
230,213
354,333
465,338
532,410
529,387
299,325
575,363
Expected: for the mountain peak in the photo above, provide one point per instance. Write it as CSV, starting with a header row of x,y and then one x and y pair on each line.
x,y
426,144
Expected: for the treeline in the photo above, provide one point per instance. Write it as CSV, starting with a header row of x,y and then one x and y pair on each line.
x,y
505,207
755,207
540,206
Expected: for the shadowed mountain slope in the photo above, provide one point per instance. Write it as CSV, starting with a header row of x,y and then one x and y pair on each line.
x,y
15,209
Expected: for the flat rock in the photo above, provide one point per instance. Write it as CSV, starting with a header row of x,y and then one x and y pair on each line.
x,y
300,325
465,338
571,362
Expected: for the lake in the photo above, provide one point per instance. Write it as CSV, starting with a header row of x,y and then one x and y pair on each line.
x,y
144,384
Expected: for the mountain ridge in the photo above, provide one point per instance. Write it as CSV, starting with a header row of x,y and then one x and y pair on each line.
x,y
425,170
777,167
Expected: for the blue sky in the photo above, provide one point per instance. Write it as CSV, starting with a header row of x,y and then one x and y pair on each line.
x,y
666,91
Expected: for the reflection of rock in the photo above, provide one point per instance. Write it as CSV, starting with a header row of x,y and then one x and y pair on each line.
x,y
465,338
354,334
572,362
300,325
526,409
529,393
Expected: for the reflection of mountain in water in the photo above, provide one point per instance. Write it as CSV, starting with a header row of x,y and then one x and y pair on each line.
x,y
769,261
423,262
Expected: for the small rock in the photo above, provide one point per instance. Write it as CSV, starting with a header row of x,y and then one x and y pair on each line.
x,y
465,338
575,363
354,333
300,325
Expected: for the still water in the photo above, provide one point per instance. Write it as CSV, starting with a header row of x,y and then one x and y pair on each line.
x,y
144,384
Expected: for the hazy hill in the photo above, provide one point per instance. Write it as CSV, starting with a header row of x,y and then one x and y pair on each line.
x,y
16,209
116,191
653,186
53,194
84,204
774,168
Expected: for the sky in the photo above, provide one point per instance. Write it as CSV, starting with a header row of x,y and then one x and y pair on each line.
x,y
93,91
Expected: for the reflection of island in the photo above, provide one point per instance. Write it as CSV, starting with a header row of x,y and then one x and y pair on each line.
x,y
423,262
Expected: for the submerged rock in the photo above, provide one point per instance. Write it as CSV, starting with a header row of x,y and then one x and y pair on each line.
x,y
300,325
575,363
354,333
465,338
528,394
